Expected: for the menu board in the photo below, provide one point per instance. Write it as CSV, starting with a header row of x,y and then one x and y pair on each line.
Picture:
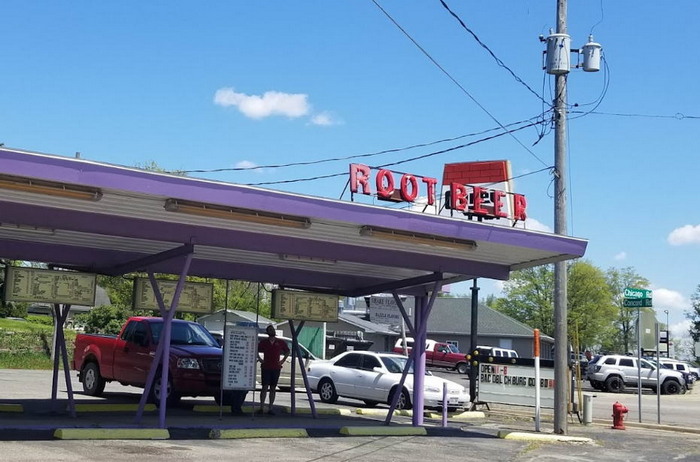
x,y
24,284
196,297
304,306
239,358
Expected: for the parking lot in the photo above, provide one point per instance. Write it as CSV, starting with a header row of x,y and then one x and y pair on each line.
x,y
477,440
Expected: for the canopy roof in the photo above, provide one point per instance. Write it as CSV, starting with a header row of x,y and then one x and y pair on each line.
x,y
110,219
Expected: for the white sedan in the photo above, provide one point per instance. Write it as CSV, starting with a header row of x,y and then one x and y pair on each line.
x,y
374,378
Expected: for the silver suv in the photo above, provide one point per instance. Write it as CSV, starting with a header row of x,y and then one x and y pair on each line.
x,y
614,372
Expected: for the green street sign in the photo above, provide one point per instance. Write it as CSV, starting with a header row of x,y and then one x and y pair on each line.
x,y
636,302
631,292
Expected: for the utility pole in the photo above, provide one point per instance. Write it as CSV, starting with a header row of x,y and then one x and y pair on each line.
x,y
561,360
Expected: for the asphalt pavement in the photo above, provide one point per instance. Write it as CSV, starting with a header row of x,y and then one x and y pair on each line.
x,y
33,427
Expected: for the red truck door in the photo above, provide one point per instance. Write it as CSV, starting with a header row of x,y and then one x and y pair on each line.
x,y
133,353
442,350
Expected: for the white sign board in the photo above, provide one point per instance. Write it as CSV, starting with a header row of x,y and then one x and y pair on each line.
x,y
515,384
196,297
239,358
23,284
384,310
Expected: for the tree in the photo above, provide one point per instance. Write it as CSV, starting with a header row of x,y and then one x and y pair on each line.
x,y
694,315
617,280
529,298
591,309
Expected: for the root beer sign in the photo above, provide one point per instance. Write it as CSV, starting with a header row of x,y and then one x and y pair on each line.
x,y
465,188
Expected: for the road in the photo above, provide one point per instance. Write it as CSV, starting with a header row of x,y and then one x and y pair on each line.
x,y
475,441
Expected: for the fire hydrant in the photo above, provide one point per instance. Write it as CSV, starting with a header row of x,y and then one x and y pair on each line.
x,y
619,411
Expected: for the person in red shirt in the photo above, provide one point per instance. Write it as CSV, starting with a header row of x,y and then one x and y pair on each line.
x,y
271,348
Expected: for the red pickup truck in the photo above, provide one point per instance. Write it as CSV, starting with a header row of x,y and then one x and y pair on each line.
x,y
195,359
438,354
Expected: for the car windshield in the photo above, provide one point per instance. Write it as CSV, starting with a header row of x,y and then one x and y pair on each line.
x,y
396,364
453,348
185,334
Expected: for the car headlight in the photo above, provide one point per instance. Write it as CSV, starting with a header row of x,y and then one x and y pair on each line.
x,y
187,363
432,389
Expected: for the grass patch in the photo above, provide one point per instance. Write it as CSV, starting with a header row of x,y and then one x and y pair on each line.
x,y
25,360
28,345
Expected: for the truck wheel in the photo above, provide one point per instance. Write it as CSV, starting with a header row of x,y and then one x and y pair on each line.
x,y
171,397
462,368
614,384
671,387
93,383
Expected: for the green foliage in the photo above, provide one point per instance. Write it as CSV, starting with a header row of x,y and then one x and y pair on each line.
x,y
38,319
529,298
617,279
106,319
10,309
27,344
694,315
591,309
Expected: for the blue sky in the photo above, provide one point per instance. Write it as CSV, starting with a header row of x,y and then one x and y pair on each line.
x,y
217,85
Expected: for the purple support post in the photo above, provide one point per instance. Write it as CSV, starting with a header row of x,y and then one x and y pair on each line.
x,y
60,353
165,339
419,365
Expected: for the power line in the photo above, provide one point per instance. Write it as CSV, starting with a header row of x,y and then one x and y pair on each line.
x,y
677,115
411,159
464,90
493,55
538,118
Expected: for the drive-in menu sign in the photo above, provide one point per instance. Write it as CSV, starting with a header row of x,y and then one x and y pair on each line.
x,y
196,297
24,284
304,306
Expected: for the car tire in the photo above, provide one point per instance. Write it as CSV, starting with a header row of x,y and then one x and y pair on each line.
x,y
171,399
614,384
93,382
462,368
671,387
404,401
326,391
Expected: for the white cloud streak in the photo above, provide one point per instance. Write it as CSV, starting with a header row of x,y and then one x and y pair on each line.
x,y
270,103
687,234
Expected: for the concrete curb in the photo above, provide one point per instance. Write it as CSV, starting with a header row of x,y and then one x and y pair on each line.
x,y
551,437
11,408
382,412
106,407
111,434
259,433
383,431
471,415
321,411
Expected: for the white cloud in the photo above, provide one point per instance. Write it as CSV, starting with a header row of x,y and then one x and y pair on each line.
x,y
687,234
324,119
621,256
270,103
680,329
669,299
533,225
249,165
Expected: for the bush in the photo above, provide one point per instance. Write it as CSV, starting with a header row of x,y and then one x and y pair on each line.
x,y
106,319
